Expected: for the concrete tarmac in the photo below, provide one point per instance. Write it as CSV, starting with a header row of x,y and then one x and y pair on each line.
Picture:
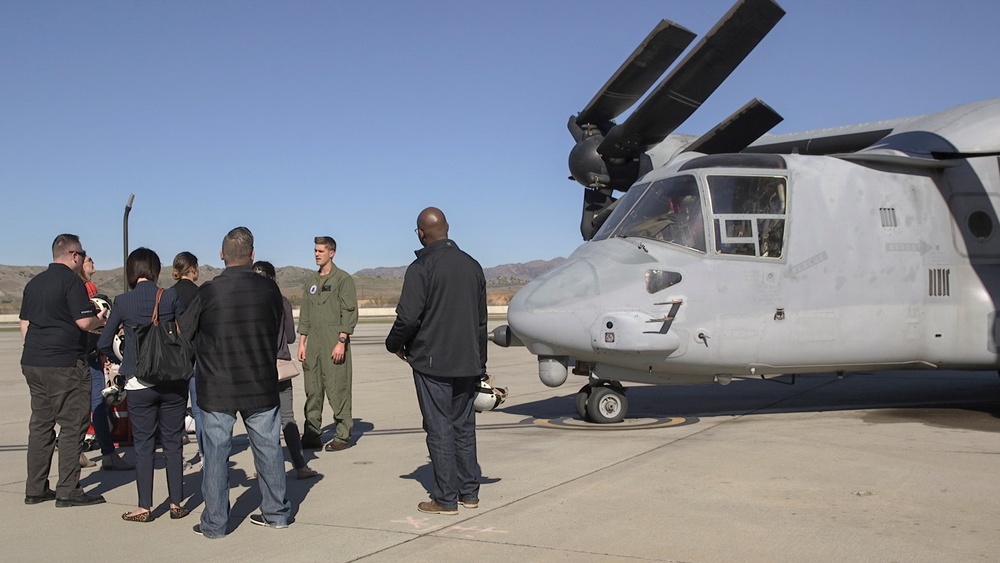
x,y
898,466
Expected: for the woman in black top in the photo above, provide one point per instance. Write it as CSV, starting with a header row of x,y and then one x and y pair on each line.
x,y
186,273
286,335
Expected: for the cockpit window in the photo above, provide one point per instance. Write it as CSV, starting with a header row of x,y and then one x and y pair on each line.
x,y
669,210
748,214
623,205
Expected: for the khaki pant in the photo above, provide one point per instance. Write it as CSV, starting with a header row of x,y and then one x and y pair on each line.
x,y
323,377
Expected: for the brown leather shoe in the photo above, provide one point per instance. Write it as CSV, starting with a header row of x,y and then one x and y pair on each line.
x,y
336,446
432,507
86,462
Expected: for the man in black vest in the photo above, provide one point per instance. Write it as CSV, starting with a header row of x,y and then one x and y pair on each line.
x,y
233,320
440,330
55,317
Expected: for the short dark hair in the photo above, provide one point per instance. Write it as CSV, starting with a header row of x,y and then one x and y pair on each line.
x,y
184,263
328,242
61,244
265,268
142,263
237,247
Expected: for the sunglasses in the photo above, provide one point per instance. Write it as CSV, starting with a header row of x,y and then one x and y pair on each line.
x,y
81,253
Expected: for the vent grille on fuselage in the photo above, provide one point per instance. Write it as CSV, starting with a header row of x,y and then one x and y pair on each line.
x,y
888,215
939,282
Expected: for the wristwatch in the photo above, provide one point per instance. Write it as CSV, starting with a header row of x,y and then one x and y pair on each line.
x,y
342,340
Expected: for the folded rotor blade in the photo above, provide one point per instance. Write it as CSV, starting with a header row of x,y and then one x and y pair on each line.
x,y
738,130
694,79
640,71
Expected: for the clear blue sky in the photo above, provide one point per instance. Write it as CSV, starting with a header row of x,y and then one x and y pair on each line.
x,y
347,118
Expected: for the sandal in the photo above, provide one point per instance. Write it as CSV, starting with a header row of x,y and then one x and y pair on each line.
x,y
179,512
143,517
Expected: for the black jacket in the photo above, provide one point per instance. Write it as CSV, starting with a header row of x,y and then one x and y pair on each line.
x,y
234,322
441,316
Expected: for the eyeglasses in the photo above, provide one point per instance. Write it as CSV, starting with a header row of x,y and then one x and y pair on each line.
x,y
81,253
416,231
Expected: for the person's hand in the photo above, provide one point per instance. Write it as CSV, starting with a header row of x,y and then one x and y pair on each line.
x,y
339,352
401,354
302,351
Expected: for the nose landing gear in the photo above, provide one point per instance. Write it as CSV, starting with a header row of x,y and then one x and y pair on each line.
x,y
603,403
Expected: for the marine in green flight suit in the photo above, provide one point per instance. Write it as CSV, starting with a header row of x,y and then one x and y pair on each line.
x,y
327,318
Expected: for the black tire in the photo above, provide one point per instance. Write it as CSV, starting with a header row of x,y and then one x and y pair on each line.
x,y
581,402
607,405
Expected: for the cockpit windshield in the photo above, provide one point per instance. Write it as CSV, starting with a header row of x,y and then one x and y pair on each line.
x,y
668,210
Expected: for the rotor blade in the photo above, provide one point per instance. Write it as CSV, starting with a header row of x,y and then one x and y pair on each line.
x,y
694,79
640,71
740,129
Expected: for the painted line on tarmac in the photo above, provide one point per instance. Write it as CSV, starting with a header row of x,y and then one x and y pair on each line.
x,y
570,423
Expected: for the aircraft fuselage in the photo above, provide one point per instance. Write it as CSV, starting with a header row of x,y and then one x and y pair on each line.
x,y
751,265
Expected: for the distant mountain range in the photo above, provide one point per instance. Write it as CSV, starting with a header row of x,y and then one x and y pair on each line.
x,y
377,287
524,272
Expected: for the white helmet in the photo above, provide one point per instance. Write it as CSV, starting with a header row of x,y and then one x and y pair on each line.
x,y
487,396
120,345
102,306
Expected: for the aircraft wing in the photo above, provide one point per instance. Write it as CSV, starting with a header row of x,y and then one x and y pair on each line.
x,y
834,140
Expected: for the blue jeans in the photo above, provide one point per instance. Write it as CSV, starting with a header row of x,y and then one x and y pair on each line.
x,y
196,413
99,408
264,431
446,404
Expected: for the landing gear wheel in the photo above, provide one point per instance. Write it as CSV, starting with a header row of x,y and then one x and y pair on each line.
x,y
581,402
607,405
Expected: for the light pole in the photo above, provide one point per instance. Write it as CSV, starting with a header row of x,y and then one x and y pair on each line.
x,y
128,208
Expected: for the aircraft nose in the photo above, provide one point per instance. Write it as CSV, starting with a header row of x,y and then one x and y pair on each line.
x,y
603,300
551,314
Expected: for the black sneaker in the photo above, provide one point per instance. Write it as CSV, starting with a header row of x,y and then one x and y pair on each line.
x,y
82,499
197,529
312,443
258,519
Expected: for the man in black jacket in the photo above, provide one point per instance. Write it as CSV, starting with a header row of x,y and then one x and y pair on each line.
x,y
440,330
234,321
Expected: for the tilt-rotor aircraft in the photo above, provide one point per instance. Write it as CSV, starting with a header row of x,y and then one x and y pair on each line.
x,y
739,254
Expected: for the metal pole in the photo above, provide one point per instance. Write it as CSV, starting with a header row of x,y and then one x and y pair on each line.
x,y
128,208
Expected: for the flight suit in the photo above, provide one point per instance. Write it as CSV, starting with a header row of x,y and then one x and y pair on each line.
x,y
329,307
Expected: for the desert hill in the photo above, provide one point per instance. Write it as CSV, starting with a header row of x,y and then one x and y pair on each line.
x,y
377,287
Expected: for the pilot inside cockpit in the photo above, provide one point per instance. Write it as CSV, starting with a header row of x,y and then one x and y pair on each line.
x,y
683,223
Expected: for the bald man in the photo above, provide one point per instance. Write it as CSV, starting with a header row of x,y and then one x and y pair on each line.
x,y
440,330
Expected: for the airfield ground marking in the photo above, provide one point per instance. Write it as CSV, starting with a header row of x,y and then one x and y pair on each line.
x,y
418,524
474,529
